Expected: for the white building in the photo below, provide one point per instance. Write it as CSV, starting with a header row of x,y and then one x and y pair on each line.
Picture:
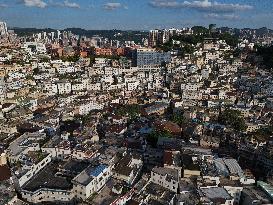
x,y
166,177
90,181
3,28
64,87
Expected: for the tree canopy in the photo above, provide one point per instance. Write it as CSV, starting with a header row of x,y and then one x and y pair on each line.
x,y
153,137
267,54
233,119
133,111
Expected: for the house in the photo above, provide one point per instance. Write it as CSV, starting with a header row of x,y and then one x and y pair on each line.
x,y
90,181
47,186
64,87
190,167
166,177
128,168
159,109
115,129
216,195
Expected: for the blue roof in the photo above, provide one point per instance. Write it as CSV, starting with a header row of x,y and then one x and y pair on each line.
x,y
97,170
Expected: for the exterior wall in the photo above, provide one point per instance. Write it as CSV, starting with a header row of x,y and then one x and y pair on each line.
x,y
235,192
96,86
57,152
52,89
189,173
83,192
64,88
161,180
150,57
86,108
34,170
121,177
48,195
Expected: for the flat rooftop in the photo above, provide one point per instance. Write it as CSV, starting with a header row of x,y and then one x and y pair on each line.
x,y
75,166
215,193
163,194
172,173
106,196
47,178
86,176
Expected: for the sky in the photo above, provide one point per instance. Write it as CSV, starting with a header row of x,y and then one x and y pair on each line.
x,y
136,14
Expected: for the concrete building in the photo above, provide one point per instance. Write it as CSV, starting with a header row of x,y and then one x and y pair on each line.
x,y
90,181
166,177
146,57
3,28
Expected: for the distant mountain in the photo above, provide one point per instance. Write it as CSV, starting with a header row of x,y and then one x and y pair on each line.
x,y
136,36
30,31
259,31
120,35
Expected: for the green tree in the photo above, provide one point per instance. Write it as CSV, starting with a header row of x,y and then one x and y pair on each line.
x,y
132,111
71,58
45,59
267,54
211,27
92,59
153,137
233,119
178,118
230,39
36,71
199,30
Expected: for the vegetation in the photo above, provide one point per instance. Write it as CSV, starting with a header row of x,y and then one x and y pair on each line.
x,y
200,29
92,59
113,57
153,137
231,40
178,118
233,119
267,54
120,35
264,133
45,59
40,156
71,58
36,71
132,111
199,34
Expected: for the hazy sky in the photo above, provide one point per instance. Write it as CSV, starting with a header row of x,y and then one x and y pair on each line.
x,y
136,14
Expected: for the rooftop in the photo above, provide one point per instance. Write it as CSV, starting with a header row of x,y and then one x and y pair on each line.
x,y
86,176
49,179
172,173
215,193
266,187
75,166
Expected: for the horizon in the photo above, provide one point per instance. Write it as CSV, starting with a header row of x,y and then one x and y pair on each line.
x,y
48,28
139,15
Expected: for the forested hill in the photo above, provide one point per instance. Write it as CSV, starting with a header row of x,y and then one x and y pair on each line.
x,y
136,36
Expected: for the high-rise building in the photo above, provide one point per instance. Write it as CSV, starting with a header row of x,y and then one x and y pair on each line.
x,y
157,37
58,34
145,57
153,37
3,28
52,35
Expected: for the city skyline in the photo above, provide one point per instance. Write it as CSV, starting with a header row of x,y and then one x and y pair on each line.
x,y
135,15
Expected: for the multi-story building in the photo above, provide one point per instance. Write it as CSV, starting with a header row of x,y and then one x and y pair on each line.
x,y
166,177
146,57
3,28
90,181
